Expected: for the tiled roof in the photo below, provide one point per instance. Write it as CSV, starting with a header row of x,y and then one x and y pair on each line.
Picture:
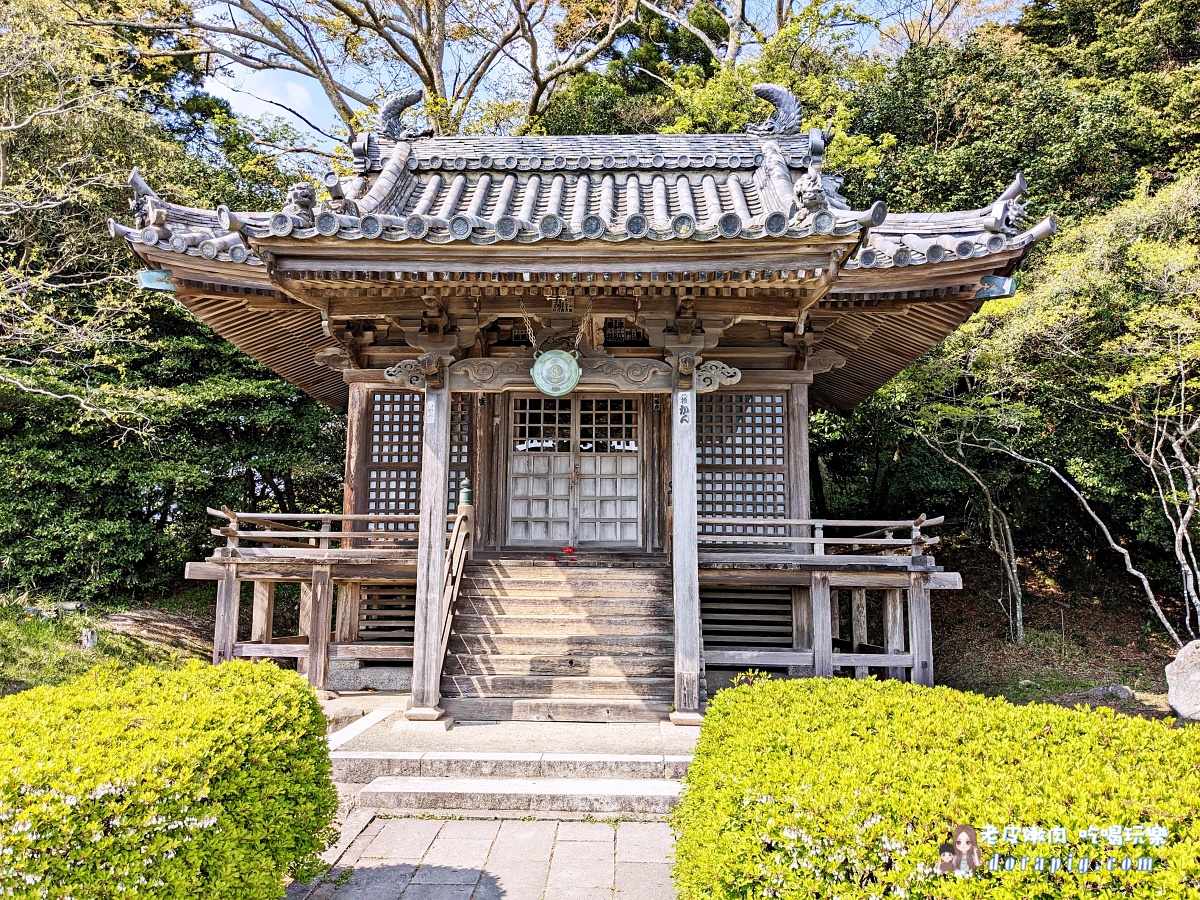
x,y
486,190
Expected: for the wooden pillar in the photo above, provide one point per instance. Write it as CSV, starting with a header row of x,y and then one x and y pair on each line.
x,y
920,631
264,612
349,594
431,555
305,627
835,614
858,625
228,599
801,619
684,560
800,490
822,638
893,629
318,636
357,435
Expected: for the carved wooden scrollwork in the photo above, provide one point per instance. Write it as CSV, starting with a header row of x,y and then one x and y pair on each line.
x,y
598,371
710,376
409,373
822,361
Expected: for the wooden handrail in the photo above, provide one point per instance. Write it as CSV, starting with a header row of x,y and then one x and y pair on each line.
x,y
459,551
881,538
828,523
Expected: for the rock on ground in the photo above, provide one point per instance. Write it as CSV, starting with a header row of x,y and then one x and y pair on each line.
x,y
1183,682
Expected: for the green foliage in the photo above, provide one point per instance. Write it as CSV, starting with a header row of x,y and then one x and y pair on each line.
x,y
206,781
842,788
122,417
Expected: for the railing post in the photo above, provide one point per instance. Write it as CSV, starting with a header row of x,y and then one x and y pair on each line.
x,y
264,612
920,633
818,545
684,562
893,629
318,636
858,625
822,633
228,599
431,555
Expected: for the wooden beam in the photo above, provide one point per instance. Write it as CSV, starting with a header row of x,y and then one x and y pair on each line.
x,y
225,631
822,625
318,635
373,650
749,657
893,628
264,612
858,623
431,555
683,557
863,660
920,632
251,650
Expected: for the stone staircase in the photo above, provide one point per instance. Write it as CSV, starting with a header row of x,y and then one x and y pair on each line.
x,y
507,783
568,642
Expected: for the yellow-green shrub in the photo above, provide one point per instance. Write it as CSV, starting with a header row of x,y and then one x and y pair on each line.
x,y
834,788
205,782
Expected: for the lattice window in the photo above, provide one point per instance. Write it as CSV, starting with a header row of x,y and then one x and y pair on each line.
x,y
542,425
394,457
608,425
460,445
393,464
741,460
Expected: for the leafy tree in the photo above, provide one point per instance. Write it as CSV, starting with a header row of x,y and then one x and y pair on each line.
x,y
121,417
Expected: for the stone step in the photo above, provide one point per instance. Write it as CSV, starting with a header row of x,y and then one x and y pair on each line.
x,y
591,795
584,646
508,709
575,688
509,604
362,766
594,666
572,626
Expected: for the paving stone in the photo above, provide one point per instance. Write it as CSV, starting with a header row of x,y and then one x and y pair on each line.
x,y
469,830
437,892
404,840
447,857
382,882
648,842
644,881
586,831
579,865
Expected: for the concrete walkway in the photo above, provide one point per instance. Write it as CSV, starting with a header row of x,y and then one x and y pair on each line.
x,y
481,859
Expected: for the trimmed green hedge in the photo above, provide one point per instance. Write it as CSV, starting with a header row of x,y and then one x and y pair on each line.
x,y
204,781
824,788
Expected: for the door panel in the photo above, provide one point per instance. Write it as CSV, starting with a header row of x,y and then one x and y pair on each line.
x,y
575,471
540,468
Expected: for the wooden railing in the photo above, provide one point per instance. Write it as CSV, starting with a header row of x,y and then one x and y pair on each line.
x,y
288,531
813,535
461,540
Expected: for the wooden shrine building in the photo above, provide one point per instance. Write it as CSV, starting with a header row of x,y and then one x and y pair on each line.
x,y
578,373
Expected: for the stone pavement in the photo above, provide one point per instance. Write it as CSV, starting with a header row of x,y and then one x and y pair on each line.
x,y
488,859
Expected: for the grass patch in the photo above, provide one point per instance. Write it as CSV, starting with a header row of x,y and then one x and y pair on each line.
x,y
35,652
